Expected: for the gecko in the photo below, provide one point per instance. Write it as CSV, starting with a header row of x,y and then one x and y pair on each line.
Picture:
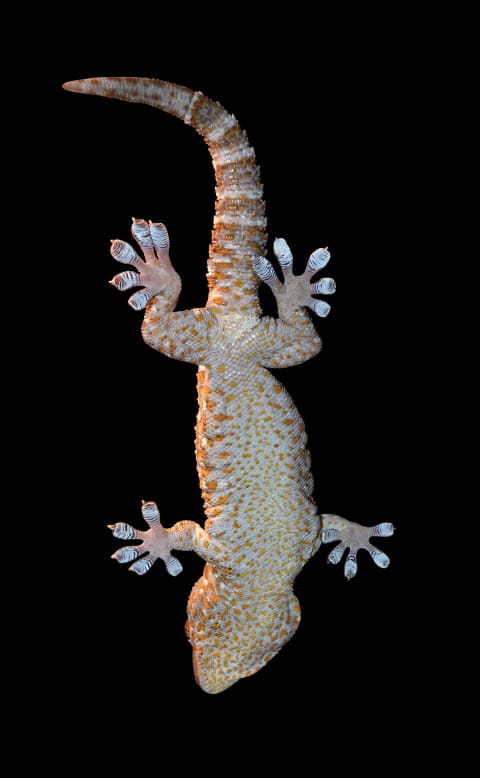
x,y
262,524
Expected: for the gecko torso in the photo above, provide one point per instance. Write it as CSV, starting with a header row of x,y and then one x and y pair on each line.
x,y
253,464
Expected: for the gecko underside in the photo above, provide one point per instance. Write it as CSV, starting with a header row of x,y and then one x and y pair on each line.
x,y
251,446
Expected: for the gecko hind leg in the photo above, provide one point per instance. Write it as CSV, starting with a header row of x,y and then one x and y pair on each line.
x,y
353,537
154,273
156,543
297,291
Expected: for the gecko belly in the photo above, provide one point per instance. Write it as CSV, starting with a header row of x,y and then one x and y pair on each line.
x,y
254,471
256,485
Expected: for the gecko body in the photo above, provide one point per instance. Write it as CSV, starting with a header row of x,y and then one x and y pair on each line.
x,y
251,447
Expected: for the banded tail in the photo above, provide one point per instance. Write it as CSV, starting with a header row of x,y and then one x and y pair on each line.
x,y
239,227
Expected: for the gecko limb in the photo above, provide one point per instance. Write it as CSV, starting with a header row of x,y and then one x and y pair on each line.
x,y
353,537
154,273
156,543
296,291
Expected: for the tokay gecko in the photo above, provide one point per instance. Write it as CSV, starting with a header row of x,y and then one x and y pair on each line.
x,y
253,464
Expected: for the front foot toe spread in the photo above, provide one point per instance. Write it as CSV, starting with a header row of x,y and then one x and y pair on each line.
x,y
299,290
353,537
156,543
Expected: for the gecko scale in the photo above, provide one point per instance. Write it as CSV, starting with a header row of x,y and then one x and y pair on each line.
x,y
251,447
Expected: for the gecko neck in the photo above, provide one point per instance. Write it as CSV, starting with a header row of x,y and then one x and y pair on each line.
x,y
239,225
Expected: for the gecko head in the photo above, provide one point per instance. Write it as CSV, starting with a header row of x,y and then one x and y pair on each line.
x,y
252,632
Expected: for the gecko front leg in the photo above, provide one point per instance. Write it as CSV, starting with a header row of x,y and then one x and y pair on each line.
x,y
158,542
352,538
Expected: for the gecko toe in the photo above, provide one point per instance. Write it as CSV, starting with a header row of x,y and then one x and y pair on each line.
x,y
336,554
123,531
351,566
143,565
174,566
127,554
379,557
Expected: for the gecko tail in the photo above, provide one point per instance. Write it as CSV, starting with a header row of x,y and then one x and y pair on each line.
x,y
239,227
172,98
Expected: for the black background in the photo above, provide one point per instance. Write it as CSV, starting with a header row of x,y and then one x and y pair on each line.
x,y
324,110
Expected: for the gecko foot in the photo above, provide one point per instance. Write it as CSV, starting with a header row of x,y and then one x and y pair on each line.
x,y
353,537
298,290
156,543
155,273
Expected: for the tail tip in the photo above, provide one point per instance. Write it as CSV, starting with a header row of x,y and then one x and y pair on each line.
x,y
84,85
70,86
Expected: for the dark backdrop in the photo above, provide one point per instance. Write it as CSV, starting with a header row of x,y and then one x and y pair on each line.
x,y
329,124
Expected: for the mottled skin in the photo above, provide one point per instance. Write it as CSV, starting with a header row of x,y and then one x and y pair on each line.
x,y
254,468
254,474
